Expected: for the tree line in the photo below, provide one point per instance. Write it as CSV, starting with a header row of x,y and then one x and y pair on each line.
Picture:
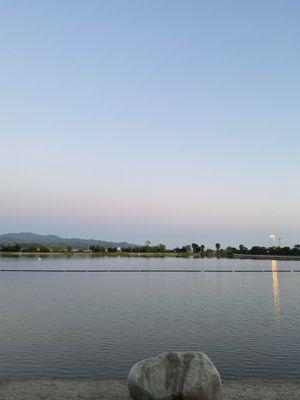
x,y
199,250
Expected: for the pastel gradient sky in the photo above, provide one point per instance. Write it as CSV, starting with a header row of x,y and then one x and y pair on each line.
x,y
173,121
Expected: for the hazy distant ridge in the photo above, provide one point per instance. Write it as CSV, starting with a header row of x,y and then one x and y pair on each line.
x,y
28,238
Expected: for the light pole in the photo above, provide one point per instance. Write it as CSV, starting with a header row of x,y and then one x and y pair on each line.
x,y
147,244
273,237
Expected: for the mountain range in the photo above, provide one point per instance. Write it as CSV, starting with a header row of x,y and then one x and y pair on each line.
x,y
28,238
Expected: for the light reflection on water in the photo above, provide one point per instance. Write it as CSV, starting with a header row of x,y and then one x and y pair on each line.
x,y
276,290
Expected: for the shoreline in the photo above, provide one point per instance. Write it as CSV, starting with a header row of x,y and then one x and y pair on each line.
x,y
265,257
92,389
146,255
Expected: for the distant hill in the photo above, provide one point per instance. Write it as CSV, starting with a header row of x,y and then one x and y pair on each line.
x,y
28,238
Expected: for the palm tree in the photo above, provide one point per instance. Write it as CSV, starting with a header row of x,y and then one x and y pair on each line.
x,y
218,246
202,247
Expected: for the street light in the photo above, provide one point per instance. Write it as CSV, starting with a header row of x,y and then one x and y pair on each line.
x,y
273,237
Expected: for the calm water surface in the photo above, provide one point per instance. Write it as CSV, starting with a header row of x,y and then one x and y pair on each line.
x,y
68,324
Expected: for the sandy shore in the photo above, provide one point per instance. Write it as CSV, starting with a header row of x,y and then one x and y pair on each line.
x,y
60,389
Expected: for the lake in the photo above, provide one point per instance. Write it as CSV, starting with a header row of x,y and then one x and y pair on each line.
x,y
96,325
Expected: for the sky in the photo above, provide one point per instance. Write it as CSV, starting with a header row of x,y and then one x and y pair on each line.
x,y
169,121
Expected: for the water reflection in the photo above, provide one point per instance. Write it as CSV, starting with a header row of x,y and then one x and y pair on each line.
x,y
275,290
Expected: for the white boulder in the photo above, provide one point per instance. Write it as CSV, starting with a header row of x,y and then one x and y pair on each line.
x,y
175,376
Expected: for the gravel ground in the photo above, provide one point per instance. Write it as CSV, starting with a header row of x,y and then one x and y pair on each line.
x,y
59,389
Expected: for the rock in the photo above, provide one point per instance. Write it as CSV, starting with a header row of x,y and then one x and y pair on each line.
x,y
175,376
